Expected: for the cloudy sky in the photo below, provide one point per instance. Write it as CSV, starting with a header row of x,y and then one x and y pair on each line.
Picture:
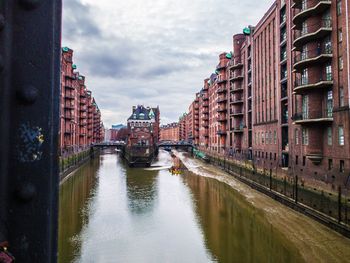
x,y
151,52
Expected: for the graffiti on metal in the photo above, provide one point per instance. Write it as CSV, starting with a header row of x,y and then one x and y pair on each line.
x,y
30,141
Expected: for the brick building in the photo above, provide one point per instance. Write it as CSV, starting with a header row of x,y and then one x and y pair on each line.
x,y
281,97
143,126
80,118
170,132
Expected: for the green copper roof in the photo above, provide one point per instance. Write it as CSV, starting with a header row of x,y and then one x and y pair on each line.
x,y
65,49
246,31
229,55
74,66
217,72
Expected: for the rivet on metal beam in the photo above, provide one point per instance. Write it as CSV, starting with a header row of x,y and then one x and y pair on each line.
x,y
2,21
28,94
30,4
26,192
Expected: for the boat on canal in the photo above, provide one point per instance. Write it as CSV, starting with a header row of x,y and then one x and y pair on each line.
x,y
143,135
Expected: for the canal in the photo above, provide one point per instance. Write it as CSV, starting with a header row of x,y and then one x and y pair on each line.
x,y
111,213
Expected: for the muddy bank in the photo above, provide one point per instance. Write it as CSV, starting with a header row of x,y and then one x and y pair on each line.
x,y
315,242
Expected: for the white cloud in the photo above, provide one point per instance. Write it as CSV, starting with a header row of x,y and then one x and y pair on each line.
x,y
151,52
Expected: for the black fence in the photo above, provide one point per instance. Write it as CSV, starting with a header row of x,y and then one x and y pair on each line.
x,y
334,205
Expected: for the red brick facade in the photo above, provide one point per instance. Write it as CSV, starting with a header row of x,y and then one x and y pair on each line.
x,y
170,132
281,97
80,118
143,126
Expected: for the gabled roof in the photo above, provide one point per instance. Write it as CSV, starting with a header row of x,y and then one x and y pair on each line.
x,y
142,113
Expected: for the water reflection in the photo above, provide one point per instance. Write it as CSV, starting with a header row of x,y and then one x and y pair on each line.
x,y
234,230
74,201
111,213
141,190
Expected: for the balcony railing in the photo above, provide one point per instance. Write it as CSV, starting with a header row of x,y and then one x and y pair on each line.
x,y
236,112
221,109
234,88
310,8
221,90
221,79
237,100
303,83
222,99
318,55
312,32
235,64
237,77
308,117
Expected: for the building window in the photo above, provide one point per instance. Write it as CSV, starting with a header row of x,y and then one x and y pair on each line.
x,y
275,137
296,136
304,160
305,107
341,97
275,156
341,166
329,136
262,137
304,4
330,164
339,7
341,135
304,28
305,136
305,77
266,137
296,159
341,63
329,72
340,35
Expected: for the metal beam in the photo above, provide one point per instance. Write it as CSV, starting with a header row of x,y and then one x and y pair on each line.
x,y
30,32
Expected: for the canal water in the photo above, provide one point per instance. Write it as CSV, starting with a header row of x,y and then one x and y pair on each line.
x,y
111,213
